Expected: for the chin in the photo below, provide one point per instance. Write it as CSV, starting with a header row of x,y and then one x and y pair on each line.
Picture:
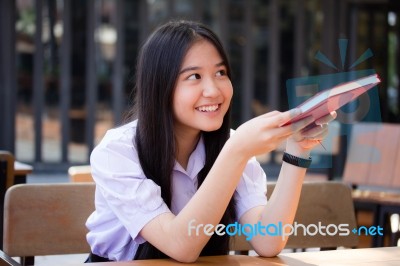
x,y
210,128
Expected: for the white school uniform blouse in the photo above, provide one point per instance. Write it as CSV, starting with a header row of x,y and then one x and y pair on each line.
x,y
126,200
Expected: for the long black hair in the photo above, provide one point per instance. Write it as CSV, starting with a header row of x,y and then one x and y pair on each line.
x,y
158,67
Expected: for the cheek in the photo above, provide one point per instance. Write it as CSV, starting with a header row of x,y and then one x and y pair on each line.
x,y
228,91
183,99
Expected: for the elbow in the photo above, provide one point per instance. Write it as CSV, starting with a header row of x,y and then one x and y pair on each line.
x,y
185,256
187,259
184,252
269,251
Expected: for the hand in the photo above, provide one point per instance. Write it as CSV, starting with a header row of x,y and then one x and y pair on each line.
x,y
264,133
307,138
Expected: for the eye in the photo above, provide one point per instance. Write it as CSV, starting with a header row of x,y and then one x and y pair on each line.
x,y
221,73
194,76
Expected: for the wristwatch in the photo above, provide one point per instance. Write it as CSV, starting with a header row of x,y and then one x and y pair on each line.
x,y
297,161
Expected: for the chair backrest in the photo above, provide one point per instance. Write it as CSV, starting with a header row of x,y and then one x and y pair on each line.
x,y
6,181
47,219
320,202
80,173
373,156
6,169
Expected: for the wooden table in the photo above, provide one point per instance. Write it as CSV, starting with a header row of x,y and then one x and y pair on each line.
x,y
367,256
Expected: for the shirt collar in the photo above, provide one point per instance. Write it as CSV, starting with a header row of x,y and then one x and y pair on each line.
x,y
196,160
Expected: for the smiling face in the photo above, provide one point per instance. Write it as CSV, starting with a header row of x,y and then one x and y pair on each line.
x,y
203,91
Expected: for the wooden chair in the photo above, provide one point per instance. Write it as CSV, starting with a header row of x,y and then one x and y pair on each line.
x,y
6,180
372,155
372,168
6,260
325,202
47,219
80,173
6,169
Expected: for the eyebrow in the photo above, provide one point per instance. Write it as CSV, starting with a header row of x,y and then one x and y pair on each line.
x,y
190,68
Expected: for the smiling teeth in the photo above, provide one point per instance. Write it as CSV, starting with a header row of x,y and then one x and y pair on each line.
x,y
210,108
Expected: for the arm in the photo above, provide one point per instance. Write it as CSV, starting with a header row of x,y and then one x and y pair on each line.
x,y
259,135
285,198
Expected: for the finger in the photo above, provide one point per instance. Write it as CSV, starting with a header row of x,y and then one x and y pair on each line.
x,y
270,114
318,137
316,131
285,117
299,125
326,119
298,137
313,129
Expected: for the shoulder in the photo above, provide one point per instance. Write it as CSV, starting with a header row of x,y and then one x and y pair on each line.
x,y
117,149
123,134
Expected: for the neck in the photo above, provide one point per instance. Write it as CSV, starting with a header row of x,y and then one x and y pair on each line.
x,y
186,143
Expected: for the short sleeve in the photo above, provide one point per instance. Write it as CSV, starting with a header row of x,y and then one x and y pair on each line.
x,y
252,188
123,187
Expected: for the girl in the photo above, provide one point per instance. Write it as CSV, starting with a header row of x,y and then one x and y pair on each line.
x,y
179,165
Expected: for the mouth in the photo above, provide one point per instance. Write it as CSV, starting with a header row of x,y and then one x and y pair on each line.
x,y
208,108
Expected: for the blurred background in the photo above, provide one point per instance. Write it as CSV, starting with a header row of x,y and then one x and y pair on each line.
x,y
67,67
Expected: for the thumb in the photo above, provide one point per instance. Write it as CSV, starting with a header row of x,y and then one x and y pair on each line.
x,y
285,117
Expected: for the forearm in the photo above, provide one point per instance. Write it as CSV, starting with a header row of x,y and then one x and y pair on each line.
x,y
282,204
284,200
213,196
288,188
207,206
210,201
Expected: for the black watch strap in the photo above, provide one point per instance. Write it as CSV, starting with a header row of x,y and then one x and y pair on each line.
x,y
297,161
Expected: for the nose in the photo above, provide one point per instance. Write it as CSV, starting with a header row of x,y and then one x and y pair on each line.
x,y
210,89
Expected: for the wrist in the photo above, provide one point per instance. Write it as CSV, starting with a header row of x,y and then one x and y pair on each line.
x,y
295,149
234,149
296,161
